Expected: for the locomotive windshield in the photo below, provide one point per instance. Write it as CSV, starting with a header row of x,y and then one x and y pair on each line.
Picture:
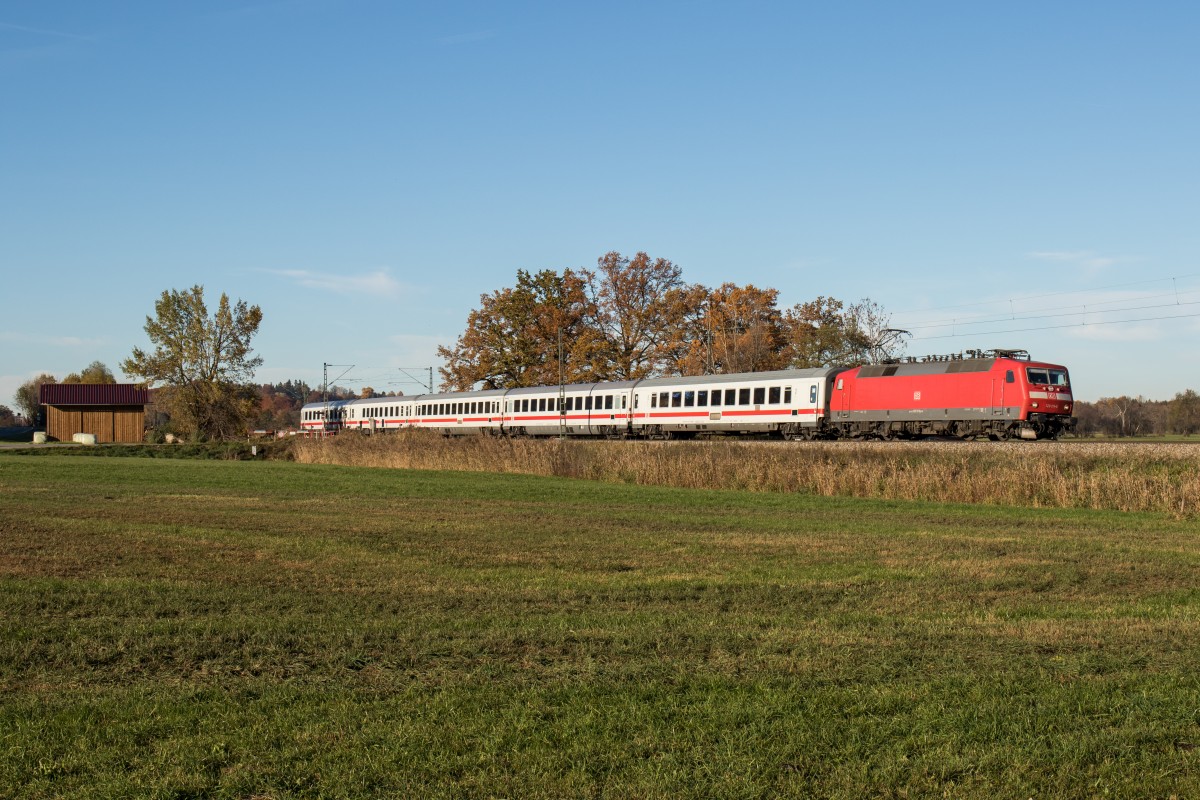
x,y
1041,376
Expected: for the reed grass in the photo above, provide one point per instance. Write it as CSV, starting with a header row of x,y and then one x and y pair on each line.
x,y
1162,478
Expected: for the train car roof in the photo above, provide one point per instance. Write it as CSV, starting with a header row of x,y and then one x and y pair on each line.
x,y
955,366
743,377
608,386
433,398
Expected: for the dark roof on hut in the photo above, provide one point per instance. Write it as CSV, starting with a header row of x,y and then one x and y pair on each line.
x,y
94,394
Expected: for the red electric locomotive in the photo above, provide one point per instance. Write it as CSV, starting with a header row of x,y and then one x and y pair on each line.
x,y
1000,394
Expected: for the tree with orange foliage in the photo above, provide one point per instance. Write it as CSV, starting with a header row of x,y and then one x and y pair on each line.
x,y
512,338
640,304
731,329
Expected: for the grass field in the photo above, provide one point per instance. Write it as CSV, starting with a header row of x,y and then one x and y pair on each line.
x,y
264,629
1103,476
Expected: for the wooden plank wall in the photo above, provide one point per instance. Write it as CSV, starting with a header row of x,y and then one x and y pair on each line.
x,y
109,423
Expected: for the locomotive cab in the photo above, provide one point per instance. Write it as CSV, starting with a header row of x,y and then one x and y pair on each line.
x,y
1048,400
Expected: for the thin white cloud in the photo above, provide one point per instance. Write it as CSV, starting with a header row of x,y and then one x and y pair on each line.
x,y
57,341
378,283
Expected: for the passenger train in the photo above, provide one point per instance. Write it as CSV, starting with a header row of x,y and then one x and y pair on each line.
x,y
999,394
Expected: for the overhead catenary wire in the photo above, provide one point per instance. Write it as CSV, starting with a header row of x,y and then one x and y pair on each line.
x,y
1090,311
1054,327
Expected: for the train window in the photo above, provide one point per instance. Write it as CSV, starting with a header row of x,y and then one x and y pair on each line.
x,y
716,397
622,401
653,401
1038,376
607,402
773,394
839,386
812,393
676,399
760,395
743,397
689,398
731,397
787,395
702,397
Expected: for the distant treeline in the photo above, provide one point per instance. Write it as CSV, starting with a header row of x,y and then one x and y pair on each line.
x,y
279,404
1137,416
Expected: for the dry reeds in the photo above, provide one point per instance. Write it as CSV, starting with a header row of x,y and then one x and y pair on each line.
x,y
1110,476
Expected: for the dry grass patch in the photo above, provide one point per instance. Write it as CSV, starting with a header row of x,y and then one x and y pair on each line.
x,y
1163,478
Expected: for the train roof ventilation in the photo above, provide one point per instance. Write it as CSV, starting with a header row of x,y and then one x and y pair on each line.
x,y
1020,355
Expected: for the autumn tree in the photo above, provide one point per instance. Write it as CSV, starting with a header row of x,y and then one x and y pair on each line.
x,y
732,329
512,338
7,417
201,364
96,372
28,396
1183,413
640,306
825,332
820,333
636,318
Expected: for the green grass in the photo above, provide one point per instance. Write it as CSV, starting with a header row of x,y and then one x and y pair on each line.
x,y
267,629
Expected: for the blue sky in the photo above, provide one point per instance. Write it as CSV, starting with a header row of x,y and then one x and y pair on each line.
x,y
994,175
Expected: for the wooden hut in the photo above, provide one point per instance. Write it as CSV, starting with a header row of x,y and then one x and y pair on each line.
x,y
114,412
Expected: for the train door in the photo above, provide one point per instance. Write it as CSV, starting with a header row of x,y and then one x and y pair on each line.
x,y
843,392
998,393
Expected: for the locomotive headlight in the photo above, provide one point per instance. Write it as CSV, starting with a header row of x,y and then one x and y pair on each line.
x,y
1066,406
1034,403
